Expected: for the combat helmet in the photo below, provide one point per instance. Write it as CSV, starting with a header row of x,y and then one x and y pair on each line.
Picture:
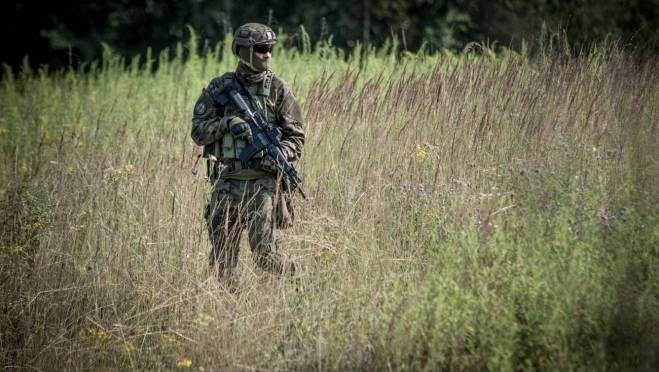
x,y
251,34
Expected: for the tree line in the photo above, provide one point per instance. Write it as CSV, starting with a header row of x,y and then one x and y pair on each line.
x,y
69,32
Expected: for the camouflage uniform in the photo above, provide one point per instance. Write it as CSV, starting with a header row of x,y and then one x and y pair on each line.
x,y
245,195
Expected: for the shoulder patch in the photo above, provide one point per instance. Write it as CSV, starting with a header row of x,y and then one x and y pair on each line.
x,y
200,108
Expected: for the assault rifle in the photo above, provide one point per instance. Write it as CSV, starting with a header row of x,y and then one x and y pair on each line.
x,y
264,137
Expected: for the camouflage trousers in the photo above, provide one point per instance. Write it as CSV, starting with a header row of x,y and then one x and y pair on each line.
x,y
237,205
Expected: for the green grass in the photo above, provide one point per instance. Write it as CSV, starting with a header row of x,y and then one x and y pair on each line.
x,y
482,211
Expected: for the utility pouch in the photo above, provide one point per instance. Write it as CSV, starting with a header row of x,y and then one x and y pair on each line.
x,y
212,153
228,147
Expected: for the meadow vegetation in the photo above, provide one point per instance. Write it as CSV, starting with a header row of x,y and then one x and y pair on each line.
x,y
484,210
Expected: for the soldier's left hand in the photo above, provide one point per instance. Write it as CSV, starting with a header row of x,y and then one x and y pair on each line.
x,y
268,165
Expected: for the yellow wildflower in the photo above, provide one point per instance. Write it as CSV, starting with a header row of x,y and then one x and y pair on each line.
x,y
204,320
98,335
127,347
129,169
421,153
168,339
184,363
78,227
23,168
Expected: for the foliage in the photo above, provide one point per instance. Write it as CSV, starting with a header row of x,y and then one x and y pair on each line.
x,y
68,34
482,210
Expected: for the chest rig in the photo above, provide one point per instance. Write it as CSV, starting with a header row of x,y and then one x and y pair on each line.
x,y
227,149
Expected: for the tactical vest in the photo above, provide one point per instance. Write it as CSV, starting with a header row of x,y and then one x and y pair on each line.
x,y
229,148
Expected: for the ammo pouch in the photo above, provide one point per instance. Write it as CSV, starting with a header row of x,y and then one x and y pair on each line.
x,y
212,169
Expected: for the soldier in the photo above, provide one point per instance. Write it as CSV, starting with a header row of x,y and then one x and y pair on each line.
x,y
247,195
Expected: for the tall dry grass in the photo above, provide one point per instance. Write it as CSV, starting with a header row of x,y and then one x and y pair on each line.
x,y
476,211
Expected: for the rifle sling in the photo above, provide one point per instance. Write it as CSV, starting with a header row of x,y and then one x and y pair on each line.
x,y
253,101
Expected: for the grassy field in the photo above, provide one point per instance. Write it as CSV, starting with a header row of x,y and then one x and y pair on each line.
x,y
475,211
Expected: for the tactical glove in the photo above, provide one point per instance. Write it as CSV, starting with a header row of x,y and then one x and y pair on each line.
x,y
239,128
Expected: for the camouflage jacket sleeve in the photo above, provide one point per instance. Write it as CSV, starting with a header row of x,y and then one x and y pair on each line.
x,y
206,116
291,122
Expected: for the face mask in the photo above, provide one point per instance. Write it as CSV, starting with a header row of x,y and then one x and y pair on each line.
x,y
252,61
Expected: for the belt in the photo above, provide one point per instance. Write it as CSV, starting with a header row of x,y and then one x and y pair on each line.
x,y
234,165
